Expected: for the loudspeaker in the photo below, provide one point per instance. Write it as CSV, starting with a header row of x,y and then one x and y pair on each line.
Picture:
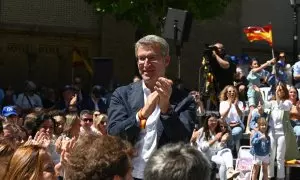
x,y
103,71
180,19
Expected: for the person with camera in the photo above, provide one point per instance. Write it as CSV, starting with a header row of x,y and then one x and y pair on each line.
x,y
221,66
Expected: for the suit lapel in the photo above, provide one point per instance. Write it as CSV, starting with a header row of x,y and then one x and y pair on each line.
x,y
136,96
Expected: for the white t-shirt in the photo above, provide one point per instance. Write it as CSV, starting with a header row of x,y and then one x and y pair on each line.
x,y
233,116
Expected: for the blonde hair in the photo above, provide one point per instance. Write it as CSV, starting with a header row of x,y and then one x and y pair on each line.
x,y
99,119
7,148
26,163
223,94
261,121
70,121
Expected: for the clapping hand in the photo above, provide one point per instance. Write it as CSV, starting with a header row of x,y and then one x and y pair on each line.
x,y
195,135
150,104
218,136
236,101
41,138
67,146
163,87
73,101
66,150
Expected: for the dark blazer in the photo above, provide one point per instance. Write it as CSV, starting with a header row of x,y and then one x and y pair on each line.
x,y
88,104
126,101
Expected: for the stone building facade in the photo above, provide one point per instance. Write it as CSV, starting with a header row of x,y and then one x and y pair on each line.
x,y
37,38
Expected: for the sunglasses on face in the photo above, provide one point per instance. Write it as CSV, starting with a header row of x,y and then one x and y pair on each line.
x,y
87,120
96,115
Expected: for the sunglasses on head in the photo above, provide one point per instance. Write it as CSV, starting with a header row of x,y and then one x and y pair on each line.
x,y
87,119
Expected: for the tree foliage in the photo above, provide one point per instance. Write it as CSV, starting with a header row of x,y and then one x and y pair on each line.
x,y
148,13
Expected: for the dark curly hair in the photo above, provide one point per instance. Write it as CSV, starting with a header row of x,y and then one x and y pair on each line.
x,y
98,157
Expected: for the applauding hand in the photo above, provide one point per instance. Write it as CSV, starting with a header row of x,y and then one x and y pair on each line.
x,y
163,87
41,138
150,104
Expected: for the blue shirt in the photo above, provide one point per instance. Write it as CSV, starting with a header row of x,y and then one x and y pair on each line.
x,y
296,69
260,147
254,78
255,116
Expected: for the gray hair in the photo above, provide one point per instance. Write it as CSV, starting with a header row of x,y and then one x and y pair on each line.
x,y
85,111
153,40
177,162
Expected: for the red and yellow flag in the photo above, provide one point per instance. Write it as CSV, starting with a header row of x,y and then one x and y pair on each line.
x,y
79,60
256,33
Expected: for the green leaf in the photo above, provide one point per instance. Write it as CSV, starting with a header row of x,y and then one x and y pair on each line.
x,y
146,13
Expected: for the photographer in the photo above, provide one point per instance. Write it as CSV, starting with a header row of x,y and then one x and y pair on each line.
x,y
221,66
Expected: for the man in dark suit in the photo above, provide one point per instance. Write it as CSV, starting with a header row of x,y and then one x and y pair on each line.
x,y
96,101
145,113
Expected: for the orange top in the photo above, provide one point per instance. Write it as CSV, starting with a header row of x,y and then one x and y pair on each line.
x,y
294,113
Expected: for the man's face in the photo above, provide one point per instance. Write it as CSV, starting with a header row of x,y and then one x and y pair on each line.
x,y
86,121
220,48
151,63
77,82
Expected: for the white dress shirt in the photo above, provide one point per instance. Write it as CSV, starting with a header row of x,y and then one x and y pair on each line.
x,y
147,140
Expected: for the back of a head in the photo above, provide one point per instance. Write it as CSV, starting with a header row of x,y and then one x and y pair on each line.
x,y
26,163
98,157
177,162
7,149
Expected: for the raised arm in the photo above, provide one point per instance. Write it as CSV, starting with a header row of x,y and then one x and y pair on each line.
x,y
263,66
223,63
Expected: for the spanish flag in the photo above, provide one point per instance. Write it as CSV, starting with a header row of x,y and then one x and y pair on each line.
x,y
79,60
256,33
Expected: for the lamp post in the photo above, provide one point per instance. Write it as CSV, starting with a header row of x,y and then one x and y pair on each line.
x,y
295,4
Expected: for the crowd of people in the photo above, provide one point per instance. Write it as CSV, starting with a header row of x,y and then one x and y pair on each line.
x,y
150,129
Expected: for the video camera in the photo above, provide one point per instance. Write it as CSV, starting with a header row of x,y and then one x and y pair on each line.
x,y
209,49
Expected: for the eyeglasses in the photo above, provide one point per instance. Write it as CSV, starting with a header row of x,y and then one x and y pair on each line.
x,y
96,115
87,119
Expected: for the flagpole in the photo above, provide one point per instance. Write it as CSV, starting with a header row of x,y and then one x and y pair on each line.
x,y
273,55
